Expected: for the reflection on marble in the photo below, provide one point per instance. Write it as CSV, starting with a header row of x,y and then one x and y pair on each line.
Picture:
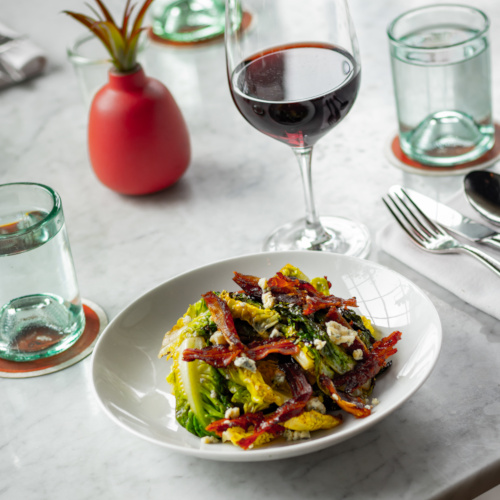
x,y
55,440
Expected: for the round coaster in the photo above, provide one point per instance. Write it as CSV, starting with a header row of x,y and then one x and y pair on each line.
x,y
399,159
245,23
95,322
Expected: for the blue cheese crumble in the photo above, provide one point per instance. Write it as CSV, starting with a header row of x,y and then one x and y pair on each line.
x,y
232,413
357,354
296,435
340,334
243,361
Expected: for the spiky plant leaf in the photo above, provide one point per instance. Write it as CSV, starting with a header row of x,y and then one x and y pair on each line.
x,y
120,41
106,12
126,16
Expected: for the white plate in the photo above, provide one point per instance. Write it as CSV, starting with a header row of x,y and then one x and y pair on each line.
x,y
129,379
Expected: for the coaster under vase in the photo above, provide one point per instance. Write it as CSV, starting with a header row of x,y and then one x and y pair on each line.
x,y
399,159
95,322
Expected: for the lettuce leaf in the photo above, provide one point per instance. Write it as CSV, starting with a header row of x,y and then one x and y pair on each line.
x,y
196,322
260,319
250,390
332,356
201,392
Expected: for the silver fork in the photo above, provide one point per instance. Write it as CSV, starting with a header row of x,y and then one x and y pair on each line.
x,y
427,234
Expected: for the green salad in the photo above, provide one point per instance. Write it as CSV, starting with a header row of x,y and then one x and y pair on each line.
x,y
280,357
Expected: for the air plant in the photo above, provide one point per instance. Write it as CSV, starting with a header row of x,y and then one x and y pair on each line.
x,y
121,42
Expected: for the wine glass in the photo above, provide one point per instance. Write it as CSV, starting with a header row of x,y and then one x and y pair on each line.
x,y
294,74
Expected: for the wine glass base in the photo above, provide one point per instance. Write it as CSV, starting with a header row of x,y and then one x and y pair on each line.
x,y
346,237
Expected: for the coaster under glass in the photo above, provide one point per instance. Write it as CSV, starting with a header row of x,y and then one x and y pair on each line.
x,y
399,159
95,322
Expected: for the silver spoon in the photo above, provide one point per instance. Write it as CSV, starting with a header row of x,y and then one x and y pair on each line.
x,y
482,190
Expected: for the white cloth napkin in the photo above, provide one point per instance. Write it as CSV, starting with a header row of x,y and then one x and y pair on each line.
x,y
461,274
20,58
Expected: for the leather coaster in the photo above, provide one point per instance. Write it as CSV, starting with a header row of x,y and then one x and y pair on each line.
x,y
399,159
95,322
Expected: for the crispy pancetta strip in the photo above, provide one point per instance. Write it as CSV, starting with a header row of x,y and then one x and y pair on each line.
x,y
217,356
372,364
222,355
249,284
301,393
244,421
358,409
222,316
260,349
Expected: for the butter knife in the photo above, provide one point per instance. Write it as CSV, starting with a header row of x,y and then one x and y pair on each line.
x,y
453,220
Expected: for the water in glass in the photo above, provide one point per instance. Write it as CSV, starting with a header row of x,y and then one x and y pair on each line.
x,y
444,103
40,309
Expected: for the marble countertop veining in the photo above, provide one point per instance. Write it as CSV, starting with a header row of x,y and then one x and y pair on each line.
x,y
56,443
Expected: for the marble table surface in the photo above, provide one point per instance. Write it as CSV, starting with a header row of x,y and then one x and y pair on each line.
x,y
56,443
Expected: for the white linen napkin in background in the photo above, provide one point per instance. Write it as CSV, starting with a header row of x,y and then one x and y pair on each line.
x,y
461,274
20,58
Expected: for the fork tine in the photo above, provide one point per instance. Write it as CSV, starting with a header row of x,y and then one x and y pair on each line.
x,y
424,217
413,233
439,241
411,208
408,209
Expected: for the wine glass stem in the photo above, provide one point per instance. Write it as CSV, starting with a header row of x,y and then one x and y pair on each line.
x,y
314,231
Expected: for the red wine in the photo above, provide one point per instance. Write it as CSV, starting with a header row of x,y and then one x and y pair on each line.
x,y
296,93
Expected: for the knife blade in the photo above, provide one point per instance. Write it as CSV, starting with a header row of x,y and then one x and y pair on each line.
x,y
452,220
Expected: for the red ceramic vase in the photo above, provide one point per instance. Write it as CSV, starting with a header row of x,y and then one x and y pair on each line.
x,y
138,139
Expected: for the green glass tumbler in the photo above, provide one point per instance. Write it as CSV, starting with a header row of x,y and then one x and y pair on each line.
x,y
188,21
441,69
41,313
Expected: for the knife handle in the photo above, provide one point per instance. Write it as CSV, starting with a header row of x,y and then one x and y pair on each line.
x,y
492,241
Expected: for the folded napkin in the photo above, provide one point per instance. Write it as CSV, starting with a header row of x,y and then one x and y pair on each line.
x,y
20,58
459,273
